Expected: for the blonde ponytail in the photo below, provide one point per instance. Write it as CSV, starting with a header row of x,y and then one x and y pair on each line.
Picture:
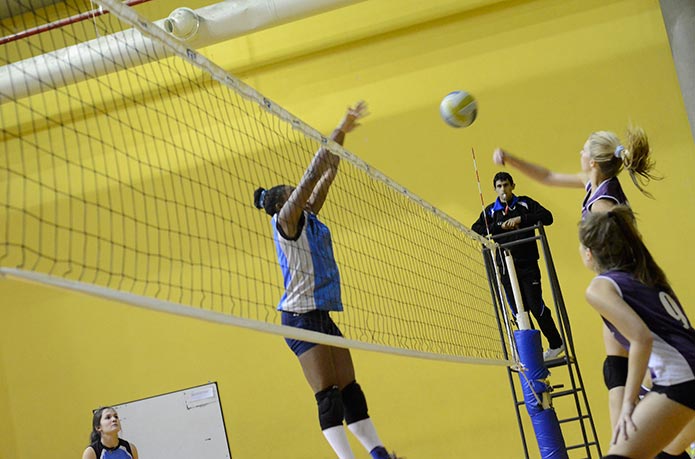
x,y
637,160
634,155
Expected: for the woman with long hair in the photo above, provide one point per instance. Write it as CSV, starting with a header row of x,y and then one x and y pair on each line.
x,y
641,310
104,442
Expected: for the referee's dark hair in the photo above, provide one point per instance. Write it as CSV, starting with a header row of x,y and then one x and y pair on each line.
x,y
502,176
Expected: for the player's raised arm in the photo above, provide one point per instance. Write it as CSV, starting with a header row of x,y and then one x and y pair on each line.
x,y
538,172
311,191
347,124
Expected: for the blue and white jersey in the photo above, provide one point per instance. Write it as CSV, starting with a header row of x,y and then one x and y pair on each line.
x,y
312,281
608,189
122,451
673,351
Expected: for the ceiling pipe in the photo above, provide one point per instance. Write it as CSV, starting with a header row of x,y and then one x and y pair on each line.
x,y
202,27
232,18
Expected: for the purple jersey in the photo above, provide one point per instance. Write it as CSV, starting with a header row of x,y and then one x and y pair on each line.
x,y
608,189
673,351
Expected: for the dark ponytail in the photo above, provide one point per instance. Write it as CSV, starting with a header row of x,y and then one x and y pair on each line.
x,y
258,197
270,200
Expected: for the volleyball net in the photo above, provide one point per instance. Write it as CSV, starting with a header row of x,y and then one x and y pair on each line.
x,y
131,176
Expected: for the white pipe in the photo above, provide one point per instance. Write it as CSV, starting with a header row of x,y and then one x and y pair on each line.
x,y
233,18
522,317
203,27
76,63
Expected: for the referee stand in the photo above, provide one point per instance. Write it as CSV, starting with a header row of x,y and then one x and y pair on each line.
x,y
568,398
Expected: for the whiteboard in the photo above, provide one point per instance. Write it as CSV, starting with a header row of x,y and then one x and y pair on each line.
x,y
179,425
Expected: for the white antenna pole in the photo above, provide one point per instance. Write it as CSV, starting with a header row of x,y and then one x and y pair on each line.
x,y
522,317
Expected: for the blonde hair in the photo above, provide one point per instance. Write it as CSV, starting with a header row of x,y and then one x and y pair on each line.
x,y
612,156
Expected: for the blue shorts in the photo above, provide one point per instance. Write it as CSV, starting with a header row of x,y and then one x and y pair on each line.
x,y
683,393
318,321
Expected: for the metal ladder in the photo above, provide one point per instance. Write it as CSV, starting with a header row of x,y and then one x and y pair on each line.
x,y
578,426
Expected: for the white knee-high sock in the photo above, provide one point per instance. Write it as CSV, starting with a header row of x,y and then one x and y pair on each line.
x,y
337,438
365,432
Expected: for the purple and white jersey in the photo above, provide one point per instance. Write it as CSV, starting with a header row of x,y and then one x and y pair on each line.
x,y
308,267
673,351
608,189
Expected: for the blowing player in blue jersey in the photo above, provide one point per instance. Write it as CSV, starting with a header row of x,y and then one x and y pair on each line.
x,y
638,305
312,290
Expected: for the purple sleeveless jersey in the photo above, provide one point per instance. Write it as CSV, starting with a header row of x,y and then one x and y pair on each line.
x,y
608,189
673,350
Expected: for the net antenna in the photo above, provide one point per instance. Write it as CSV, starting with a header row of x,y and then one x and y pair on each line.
x,y
480,192
138,186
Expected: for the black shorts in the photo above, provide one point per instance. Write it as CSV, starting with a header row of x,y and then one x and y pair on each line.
x,y
318,321
683,393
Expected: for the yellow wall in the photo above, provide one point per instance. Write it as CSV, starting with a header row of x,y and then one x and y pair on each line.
x,y
545,73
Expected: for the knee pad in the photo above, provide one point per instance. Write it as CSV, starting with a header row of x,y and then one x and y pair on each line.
x,y
665,455
615,456
330,407
354,402
614,371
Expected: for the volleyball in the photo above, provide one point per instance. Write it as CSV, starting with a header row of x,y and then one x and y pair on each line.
x,y
458,109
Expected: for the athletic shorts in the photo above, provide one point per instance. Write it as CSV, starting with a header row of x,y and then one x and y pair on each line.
x,y
683,393
318,321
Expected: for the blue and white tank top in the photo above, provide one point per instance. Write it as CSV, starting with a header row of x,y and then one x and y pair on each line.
x,y
122,451
308,267
673,351
608,189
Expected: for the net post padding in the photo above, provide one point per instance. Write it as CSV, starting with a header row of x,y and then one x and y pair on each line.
x,y
533,377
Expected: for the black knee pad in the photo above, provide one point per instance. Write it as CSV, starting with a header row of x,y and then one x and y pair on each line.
x,y
614,371
615,456
330,407
354,402
665,455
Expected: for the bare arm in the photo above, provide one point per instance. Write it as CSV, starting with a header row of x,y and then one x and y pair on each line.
x,y
538,172
349,122
316,181
291,211
320,191
616,394
603,205
89,453
603,296
134,450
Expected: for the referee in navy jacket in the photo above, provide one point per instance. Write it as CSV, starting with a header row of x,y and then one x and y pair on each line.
x,y
511,212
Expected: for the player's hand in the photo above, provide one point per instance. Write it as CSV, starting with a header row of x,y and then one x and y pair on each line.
x,y
351,119
625,423
498,156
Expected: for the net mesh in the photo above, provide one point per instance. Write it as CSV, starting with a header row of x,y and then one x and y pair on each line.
x,y
141,179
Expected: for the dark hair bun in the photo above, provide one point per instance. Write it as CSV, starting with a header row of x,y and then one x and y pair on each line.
x,y
257,197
